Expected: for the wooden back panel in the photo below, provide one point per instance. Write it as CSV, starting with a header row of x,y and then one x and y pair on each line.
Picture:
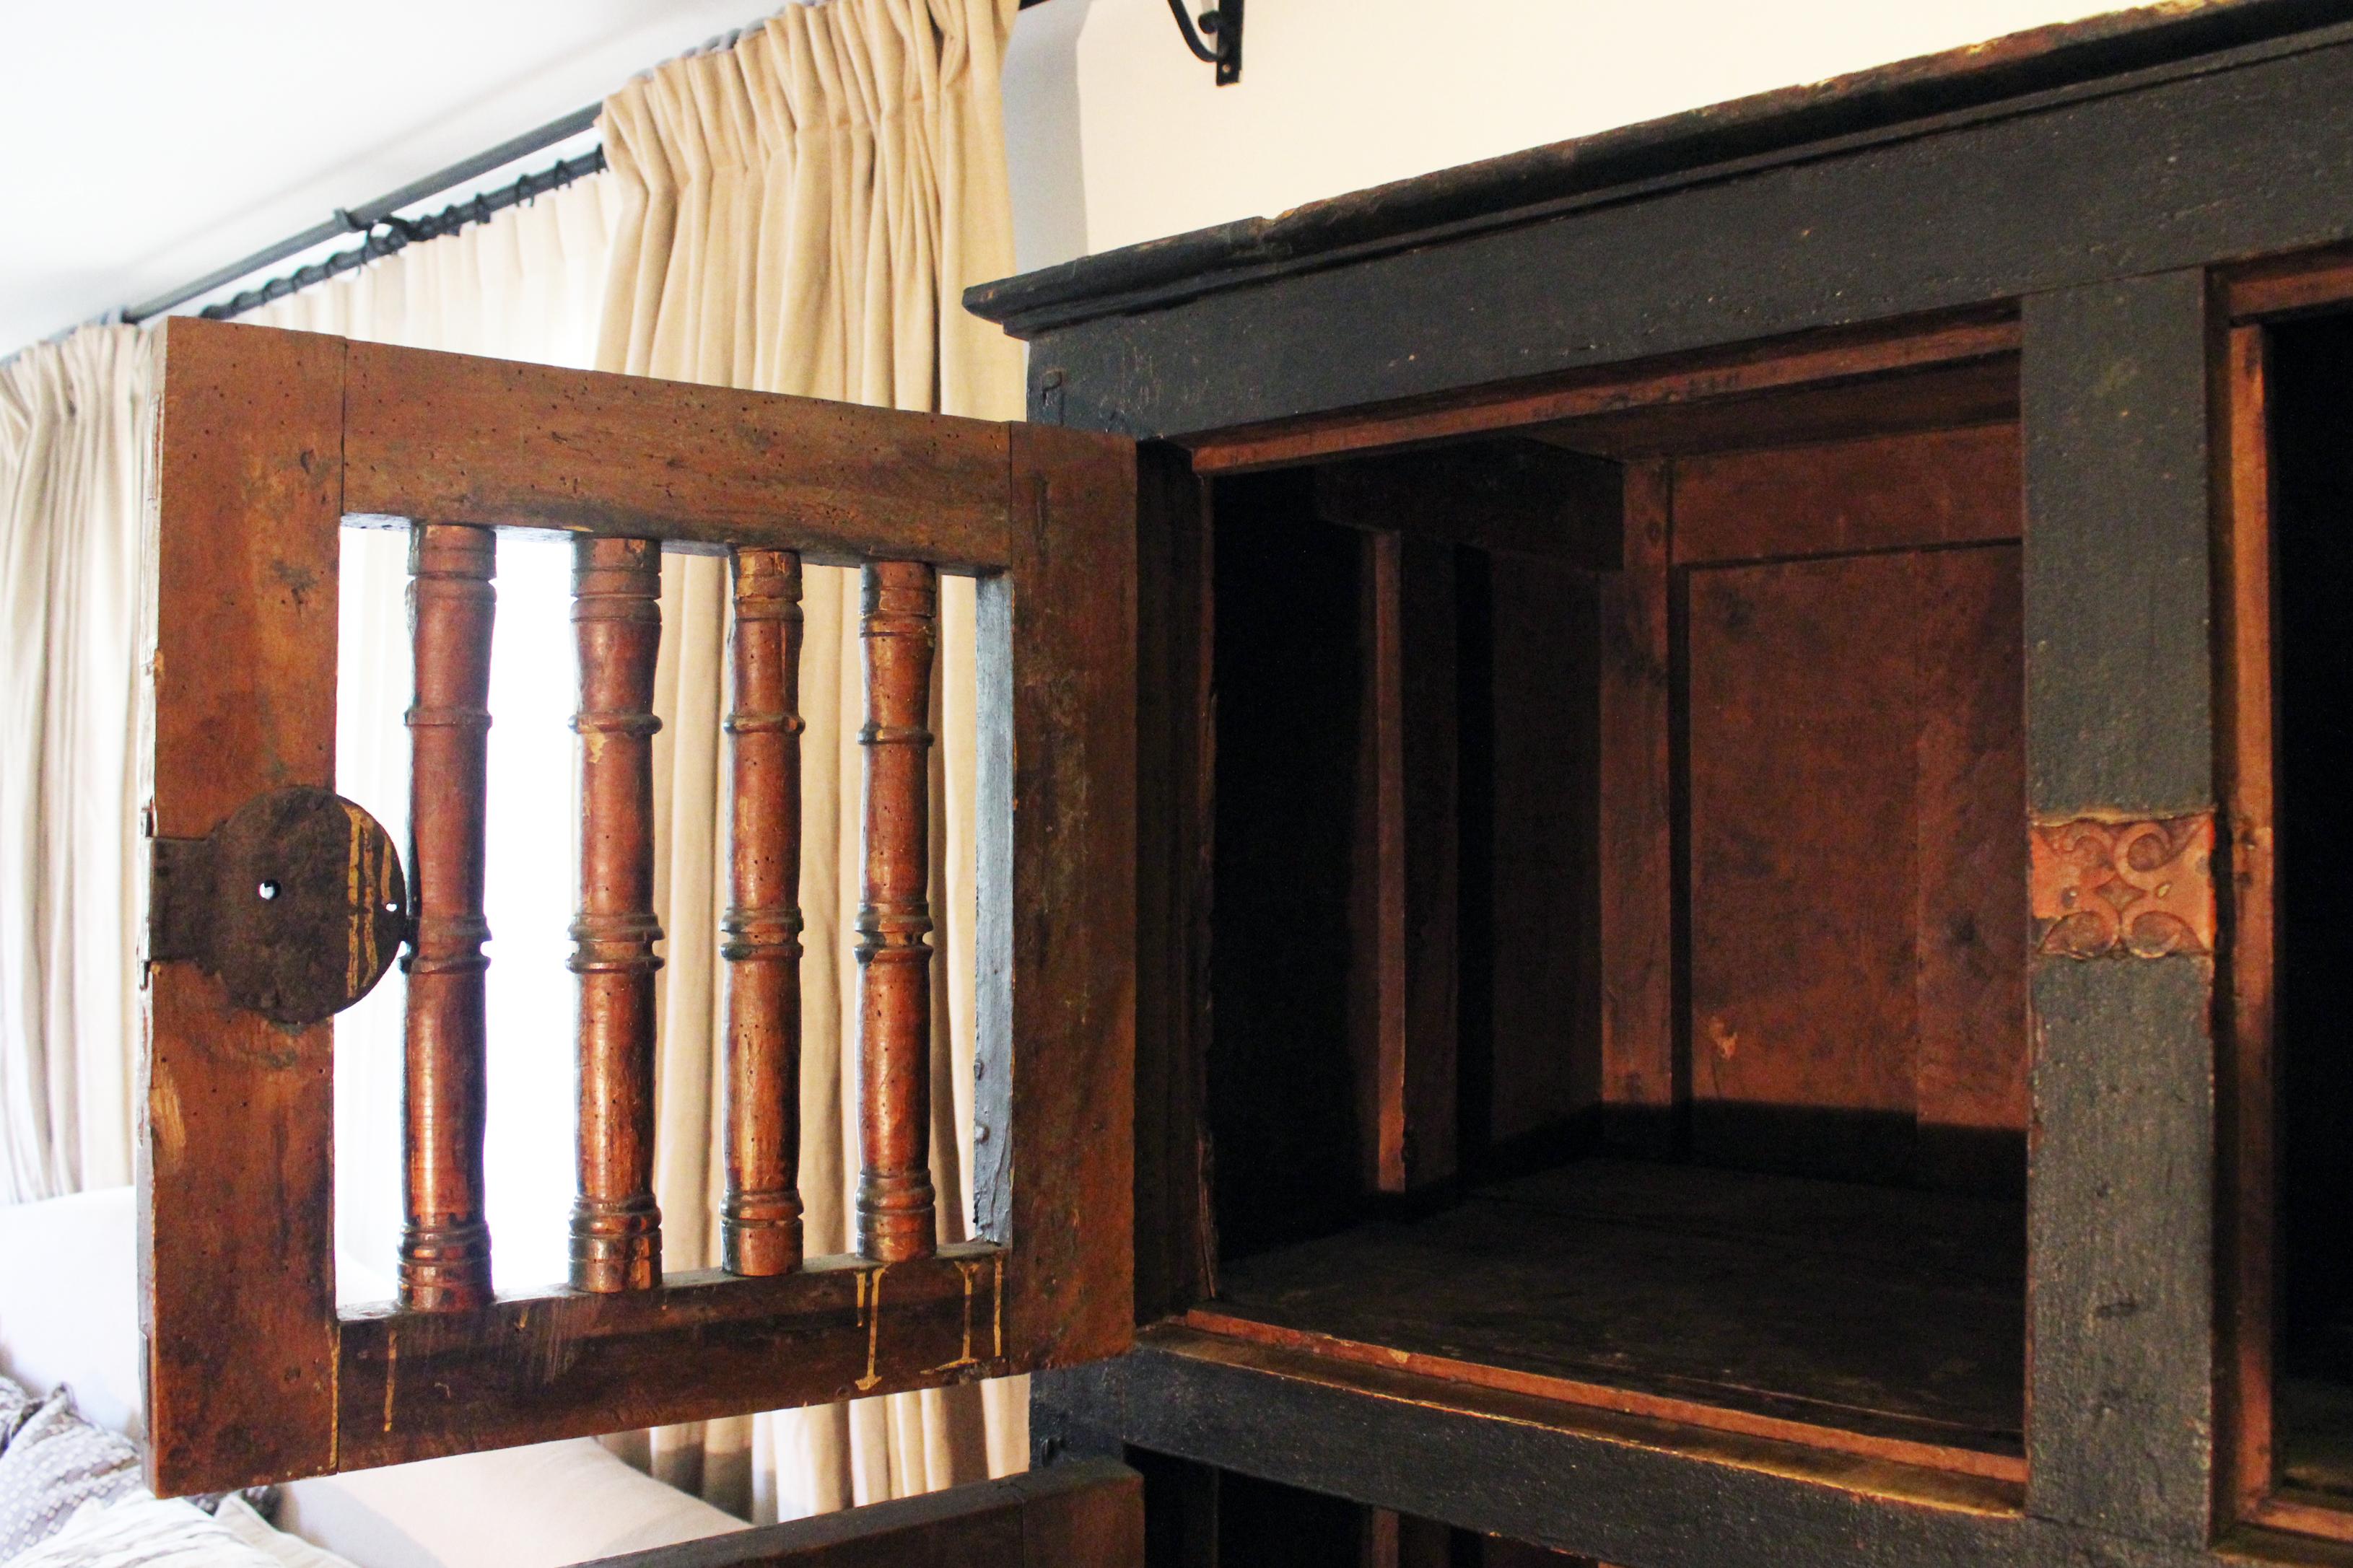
x,y
1853,760
268,442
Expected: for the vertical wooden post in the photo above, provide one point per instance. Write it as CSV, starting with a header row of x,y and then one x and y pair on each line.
x,y
899,626
617,617
760,1218
444,1246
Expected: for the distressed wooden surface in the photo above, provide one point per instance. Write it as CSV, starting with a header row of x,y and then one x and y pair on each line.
x,y
445,1246
2172,172
1513,498
616,619
529,1369
1635,835
234,1139
1175,737
1084,1514
2118,722
255,1374
462,439
1407,878
1907,492
1613,411
1859,971
1868,1321
897,625
2246,1085
760,1213
1647,1490
1071,623
2036,67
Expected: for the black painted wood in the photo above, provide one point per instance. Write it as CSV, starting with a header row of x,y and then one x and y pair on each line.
x,y
1604,1486
2118,591
2039,67
2098,204
2236,161
2120,1224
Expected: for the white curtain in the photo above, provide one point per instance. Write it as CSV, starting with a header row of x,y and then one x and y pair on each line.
x,y
528,285
801,213
75,451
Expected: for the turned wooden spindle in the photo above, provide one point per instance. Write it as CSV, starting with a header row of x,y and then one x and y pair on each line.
x,y
760,1217
444,1246
616,619
897,625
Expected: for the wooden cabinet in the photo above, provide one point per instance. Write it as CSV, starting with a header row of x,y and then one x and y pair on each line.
x,y
1739,964
1701,764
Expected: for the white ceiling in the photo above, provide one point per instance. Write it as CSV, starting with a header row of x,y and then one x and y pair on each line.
x,y
144,143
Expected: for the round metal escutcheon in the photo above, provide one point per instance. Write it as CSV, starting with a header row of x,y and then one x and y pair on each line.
x,y
309,905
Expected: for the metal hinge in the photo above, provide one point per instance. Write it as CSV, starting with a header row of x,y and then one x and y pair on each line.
x,y
296,900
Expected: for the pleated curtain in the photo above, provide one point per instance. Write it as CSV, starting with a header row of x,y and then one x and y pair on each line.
x,y
75,452
801,211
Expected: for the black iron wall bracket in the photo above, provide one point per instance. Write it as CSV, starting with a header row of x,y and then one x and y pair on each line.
x,y
1222,25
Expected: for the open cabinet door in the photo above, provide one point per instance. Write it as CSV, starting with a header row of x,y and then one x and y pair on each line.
x,y
276,903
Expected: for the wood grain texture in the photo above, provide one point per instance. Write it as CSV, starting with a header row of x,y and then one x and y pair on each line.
x,y
1883,492
1407,879
1866,962
2119,725
1874,1321
253,1373
1070,937
1582,401
897,625
2289,285
462,439
760,1213
528,1368
1635,837
1083,1514
616,621
2119,587
2134,177
1175,737
1648,1490
2246,1086
1508,496
445,1245
235,1157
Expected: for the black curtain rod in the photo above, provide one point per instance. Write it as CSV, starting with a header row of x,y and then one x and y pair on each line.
x,y
400,233
366,217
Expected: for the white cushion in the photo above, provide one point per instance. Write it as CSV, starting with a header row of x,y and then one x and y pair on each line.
x,y
69,1303
541,1506
138,1532
236,1516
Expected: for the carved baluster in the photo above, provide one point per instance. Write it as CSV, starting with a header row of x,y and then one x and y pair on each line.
x,y
616,619
899,628
444,1246
760,1219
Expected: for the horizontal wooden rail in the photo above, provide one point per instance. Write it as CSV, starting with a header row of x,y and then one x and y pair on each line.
x,y
460,439
529,1369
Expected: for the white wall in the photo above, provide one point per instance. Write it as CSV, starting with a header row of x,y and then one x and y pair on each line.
x,y
1117,134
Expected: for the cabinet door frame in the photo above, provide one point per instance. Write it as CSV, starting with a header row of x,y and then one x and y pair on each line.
x,y
269,443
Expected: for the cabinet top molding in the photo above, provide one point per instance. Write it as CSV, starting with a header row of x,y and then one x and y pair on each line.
x,y
2007,76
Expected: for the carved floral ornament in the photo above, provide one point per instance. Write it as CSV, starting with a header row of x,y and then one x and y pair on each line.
x,y
2139,889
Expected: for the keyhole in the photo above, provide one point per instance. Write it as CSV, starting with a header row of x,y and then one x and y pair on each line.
x,y
267,891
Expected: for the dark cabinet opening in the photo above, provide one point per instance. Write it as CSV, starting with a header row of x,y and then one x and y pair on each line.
x,y
1619,943
2310,399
